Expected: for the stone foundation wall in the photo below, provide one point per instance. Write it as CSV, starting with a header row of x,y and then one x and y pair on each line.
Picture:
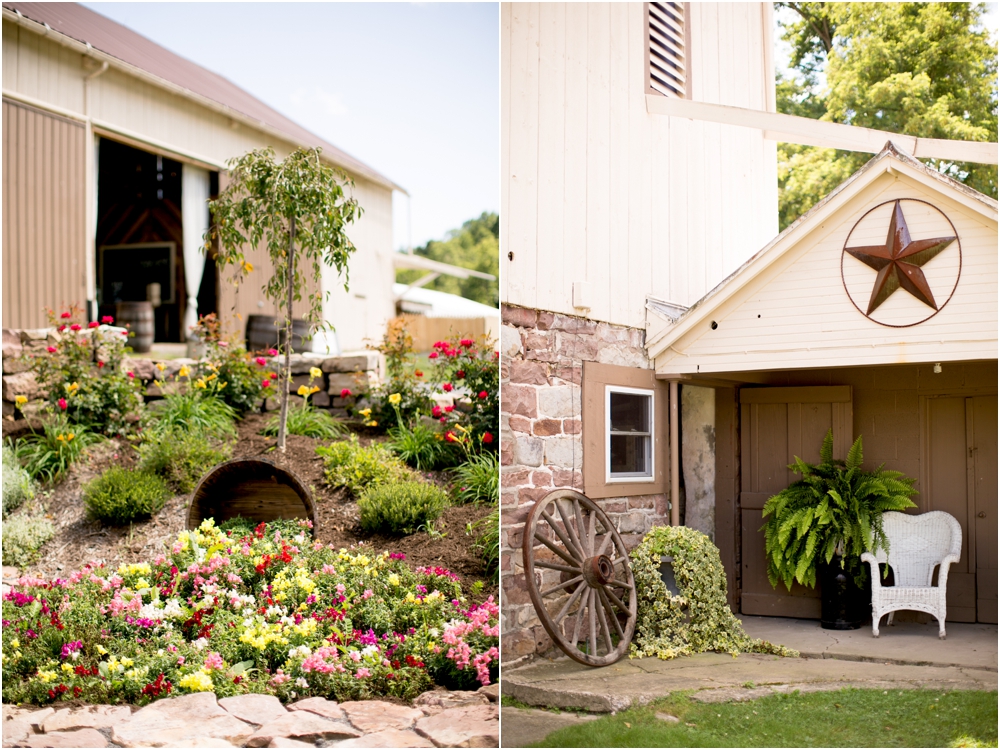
x,y
356,372
542,357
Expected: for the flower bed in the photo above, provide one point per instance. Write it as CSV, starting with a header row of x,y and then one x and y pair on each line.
x,y
247,610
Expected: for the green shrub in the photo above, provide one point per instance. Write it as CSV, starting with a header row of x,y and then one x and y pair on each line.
x,y
23,536
308,421
419,446
47,455
400,507
478,479
195,411
350,465
17,483
120,496
487,543
182,457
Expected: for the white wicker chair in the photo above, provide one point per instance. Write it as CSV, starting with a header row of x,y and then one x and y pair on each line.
x,y
916,545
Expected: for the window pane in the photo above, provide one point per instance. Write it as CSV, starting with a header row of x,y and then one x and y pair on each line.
x,y
629,412
629,454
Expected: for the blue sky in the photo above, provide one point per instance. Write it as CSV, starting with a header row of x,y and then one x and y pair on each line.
x,y
410,89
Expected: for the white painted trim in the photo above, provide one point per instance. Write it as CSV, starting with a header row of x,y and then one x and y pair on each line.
x,y
405,260
109,130
610,478
808,132
45,106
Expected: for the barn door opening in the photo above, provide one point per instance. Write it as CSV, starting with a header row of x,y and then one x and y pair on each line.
x,y
778,424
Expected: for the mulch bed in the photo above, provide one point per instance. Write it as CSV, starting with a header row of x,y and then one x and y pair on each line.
x,y
79,540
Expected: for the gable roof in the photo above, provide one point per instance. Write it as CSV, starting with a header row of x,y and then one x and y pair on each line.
x,y
136,51
890,158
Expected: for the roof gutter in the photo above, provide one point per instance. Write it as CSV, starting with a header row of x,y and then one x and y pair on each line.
x,y
86,49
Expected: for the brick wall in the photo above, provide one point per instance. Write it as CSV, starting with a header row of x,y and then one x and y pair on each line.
x,y
542,446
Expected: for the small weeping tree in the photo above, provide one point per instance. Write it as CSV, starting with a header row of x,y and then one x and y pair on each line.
x,y
298,211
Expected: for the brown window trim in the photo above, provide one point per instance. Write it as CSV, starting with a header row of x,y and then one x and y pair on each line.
x,y
595,379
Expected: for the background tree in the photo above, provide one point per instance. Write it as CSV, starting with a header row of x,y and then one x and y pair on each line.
x,y
475,246
298,210
922,69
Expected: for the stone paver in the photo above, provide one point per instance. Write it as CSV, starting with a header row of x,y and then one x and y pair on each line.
x,y
376,716
204,742
79,738
470,726
21,724
254,708
438,700
389,738
168,722
491,691
285,742
88,717
302,725
320,707
526,726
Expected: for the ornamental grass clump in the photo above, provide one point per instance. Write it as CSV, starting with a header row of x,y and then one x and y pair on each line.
x,y
47,455
181,457
478,479
349,464
698,618
262,609
305,419
120,496
420,446
195,410
23,537
400,507
17,483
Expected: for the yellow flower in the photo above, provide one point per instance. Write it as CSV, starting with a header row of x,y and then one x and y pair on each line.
x,y
160,366
211,377
395,398
46,675
15,643
101,650
72,387
373,423
314,389
200,383
315,372
365,412
184,372
248,267
303,390
128,662
197,682
67,668
20,400
61,438
70,436
393,579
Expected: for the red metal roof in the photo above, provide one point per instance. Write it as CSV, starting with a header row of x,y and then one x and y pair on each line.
x,y
88,27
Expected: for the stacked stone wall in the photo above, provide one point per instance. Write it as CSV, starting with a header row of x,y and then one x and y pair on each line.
x,y
542,356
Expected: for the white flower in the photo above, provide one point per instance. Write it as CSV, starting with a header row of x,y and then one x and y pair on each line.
x,y
301,682
173,609
200,643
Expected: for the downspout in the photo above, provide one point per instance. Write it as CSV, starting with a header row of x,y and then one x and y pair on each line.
x,y
675,456
91,194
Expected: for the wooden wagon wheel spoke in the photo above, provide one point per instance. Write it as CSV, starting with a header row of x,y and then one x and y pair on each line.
x,y
581,586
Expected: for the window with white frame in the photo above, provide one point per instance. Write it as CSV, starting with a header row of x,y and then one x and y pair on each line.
x,y
629,417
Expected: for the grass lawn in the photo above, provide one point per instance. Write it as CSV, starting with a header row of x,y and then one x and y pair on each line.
x,y
846,718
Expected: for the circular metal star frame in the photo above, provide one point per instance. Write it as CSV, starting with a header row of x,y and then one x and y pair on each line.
x,y
898,262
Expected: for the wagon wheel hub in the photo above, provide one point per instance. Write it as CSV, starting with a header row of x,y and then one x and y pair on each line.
x,y
598,571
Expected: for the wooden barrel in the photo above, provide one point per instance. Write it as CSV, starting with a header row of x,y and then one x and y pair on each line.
x,y
252,488
263,333
138,317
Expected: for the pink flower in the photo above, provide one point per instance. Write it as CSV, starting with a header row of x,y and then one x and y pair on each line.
x,y
62,404
93,324
345,393
432,355
75,327
273,352
213,661
363,672
261,361
65,315
223,344
180,660
131,375
447,387
436,411
52,350
449,409
483,394
466,343
265,384
487,437
443,420
107,319
368,594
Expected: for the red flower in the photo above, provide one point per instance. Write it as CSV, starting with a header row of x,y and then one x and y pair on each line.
x,y
107,319
52,350
93,324
449,409
265,384
450,437
273,352
487,437
483,394
261,361
433,355
273,375
419,374
75,327
447,387
63,404
61,328
125,333
466,343
100,364
131,375
345,393
460,374
443,420
65,315
436,411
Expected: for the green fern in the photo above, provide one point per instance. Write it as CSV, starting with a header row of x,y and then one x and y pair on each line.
x,y
836,507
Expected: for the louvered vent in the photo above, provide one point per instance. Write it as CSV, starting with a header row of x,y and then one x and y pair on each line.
x,y
668,59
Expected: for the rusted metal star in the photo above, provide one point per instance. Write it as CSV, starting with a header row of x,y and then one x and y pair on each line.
x,y
898,262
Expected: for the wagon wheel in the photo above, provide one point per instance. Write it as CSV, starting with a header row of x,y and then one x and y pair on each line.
x,y
579,579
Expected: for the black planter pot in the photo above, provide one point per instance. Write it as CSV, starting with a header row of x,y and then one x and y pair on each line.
x,y
845,606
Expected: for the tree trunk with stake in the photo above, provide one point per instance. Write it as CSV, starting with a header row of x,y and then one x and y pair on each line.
x,y
287,374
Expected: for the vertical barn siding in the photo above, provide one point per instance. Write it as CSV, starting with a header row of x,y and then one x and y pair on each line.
x,y
597,190
44,227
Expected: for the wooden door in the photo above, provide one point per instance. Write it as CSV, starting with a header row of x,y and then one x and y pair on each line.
x,y
982,443
778,424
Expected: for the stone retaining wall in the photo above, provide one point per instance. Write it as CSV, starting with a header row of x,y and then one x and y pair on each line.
x,y
356,372
542,355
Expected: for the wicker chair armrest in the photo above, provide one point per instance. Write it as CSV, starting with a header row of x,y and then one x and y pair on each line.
x,y
943,569
868,557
